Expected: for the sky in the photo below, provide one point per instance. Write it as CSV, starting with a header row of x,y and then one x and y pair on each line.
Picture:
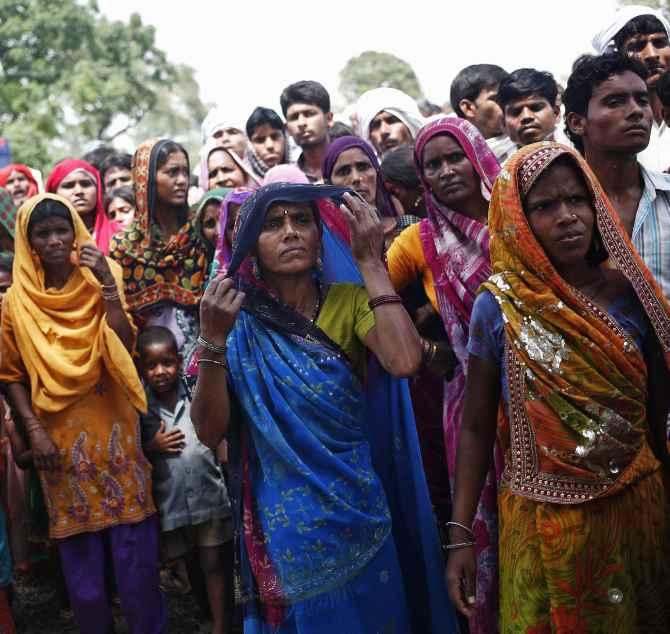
x,y
245,52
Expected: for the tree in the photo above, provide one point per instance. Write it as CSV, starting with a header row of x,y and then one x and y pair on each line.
x,y
373,69
70,76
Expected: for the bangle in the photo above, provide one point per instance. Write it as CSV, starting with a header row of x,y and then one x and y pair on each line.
x,y
110,297
384,299
459,545
214,362
212,347
459,525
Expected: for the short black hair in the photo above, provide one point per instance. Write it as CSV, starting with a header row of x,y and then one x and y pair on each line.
x,y
152,335
261,116
398,166
122,160
471,81
588,72
97,156
125,192
641,25
48,208
663,88
311,92
339,129
6,261
525,82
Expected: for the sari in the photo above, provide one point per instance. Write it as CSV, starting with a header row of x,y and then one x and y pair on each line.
x,y
456,249
583,515
104,228
329,485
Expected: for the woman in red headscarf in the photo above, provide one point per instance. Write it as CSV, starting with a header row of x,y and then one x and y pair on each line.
x,y
19,181
80,183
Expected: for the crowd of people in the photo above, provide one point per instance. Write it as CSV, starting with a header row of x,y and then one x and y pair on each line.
x,y
407,373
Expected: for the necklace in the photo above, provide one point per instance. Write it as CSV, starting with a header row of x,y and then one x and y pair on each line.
x,y
317,305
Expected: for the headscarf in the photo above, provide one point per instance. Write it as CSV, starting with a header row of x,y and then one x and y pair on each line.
x,y
578,384
383,202
220,118
7,212
252,180
285,173
104,228
390,100
603,42
63,335
213,195
7,171
155,271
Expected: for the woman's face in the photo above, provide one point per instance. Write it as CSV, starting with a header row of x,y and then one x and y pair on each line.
x,y
353,169
80,188
269,143
289,241
210,222
52,240
17,186
172,180
450,175
560,213
223,171
121,211
233,210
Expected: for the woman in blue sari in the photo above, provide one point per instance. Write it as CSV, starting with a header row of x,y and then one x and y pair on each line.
x,y
335,527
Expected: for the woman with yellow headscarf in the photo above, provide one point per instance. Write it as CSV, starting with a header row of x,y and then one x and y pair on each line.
x,y
70,378
568,351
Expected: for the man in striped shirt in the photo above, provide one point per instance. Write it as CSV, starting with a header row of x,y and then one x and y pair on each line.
x,y
609,119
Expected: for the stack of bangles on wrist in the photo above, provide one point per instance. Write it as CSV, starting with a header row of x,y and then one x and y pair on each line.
x,y
109,292
384,299
460,544
428,351
212,347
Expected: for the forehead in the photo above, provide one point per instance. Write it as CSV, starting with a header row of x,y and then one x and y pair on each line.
x,y
279,208
264,128
220,157
119,202
384,115
52,222
296,108
352,155
645,37
212,207
17,176
561,174
442,143
627,81
176,158
116,171
157,349
527,100
76,175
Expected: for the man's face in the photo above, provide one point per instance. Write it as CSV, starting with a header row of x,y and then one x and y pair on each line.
x,y
485,113
618,117
387,132
653,50
308,124
117,177
530,119
232,139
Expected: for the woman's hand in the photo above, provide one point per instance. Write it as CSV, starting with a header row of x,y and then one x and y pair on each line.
x,y
94,259
219,308
461,570
46,456
367,233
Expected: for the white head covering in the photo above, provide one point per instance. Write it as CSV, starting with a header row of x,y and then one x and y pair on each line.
x,y
390,100
219,118
603,41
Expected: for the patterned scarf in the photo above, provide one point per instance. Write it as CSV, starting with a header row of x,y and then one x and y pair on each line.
x,y
577,381
155,270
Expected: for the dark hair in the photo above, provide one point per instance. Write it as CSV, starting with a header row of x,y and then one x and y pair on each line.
x,y
641,25
6,261
588,72
117,159
261,116
663,88
48,208
126,193
525,82
169,147
339,129
153,335
97,156
311,92
471,81
398,166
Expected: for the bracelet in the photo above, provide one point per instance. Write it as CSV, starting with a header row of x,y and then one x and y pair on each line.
x,y
212,347
459,545
214,362
110,297
384,299
459,525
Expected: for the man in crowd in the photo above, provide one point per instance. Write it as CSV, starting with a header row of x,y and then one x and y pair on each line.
x,y
609,119
116,171
642,33
228,131
306,108
474,96
388,118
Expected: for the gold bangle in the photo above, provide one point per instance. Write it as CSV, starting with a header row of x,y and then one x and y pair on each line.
x,y
214,362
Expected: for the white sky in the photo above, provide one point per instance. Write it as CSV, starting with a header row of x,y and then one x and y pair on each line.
x,y
246,51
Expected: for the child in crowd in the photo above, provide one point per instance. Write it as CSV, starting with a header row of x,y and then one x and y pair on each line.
x,y
188,486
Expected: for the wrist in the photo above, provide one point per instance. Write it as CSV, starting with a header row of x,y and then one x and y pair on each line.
x,y
371,265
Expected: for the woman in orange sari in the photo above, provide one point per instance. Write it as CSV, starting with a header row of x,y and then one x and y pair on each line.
x,y
574,334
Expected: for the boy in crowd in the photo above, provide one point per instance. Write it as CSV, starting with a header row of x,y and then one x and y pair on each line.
x,y
188,486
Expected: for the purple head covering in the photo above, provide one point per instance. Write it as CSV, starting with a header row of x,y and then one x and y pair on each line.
x,y
223,249
382,199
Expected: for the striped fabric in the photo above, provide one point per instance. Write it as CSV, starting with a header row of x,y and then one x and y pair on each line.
x,y
651,231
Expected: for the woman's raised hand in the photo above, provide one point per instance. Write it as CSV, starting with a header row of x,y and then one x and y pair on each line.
x,y
94,259
367,233
219,308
